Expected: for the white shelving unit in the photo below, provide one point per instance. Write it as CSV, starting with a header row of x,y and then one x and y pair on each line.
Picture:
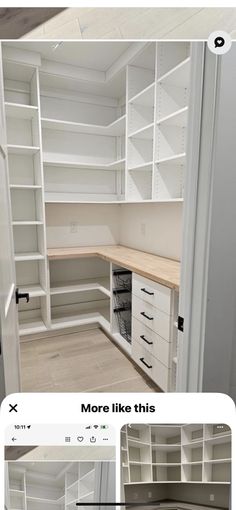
x,y
55,485
192,453
87,138
22,109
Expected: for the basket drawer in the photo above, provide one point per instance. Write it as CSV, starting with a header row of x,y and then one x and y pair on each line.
x,y
153,343
158,372
152,292
151,317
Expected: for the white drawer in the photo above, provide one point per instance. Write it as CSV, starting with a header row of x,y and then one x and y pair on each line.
x,y
153,343
152,317
151,366
152,292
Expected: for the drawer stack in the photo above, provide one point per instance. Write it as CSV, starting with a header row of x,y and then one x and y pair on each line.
x,y
152,325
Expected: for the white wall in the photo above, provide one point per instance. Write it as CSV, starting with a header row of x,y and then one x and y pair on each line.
x,y
94,224
198,494
156,228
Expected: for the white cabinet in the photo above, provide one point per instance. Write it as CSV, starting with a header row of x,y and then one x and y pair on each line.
x,y
154,329
193,453
152,292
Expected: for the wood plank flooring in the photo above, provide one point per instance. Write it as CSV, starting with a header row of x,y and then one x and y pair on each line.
x,y
79,362
137,23
15,22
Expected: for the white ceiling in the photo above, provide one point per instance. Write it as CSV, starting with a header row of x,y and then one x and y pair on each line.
x,y
46,468
99,55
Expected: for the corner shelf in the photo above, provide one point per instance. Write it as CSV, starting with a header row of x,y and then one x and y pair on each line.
x,y
116,128
113,165
31,327
101,284
176,454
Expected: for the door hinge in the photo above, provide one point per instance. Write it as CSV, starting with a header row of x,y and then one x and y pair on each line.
x,y
180,323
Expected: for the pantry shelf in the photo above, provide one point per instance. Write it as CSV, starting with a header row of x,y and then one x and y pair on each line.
x,y
116,128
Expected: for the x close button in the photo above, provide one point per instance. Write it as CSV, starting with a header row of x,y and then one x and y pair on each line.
x,y
13,408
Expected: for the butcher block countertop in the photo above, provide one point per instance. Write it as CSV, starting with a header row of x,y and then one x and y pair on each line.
x,y
159,269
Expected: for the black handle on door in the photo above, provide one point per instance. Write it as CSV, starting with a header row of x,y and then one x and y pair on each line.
x,y
146,316
147,292
144,362
21,295
145,340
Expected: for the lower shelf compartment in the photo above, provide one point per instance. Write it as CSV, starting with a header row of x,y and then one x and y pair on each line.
x,y
97,314
30,327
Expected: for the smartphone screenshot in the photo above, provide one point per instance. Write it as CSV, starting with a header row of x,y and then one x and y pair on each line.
x,y
56,467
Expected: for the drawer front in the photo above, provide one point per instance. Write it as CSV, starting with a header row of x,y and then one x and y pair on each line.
x,y
153,343
151,366
152,292
151,317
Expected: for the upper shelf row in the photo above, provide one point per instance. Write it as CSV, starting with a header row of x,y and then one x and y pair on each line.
x,y
140,132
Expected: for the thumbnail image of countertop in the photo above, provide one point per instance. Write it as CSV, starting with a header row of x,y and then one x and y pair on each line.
x,y
177,505
159,269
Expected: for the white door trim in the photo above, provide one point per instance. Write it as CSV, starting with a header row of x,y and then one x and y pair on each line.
x,y
9,298
197,213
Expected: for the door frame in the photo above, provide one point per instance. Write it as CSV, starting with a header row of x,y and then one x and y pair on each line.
x,y
197,219
6,361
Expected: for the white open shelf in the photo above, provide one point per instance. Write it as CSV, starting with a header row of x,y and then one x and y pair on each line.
x,y
176,453
178,159
80,319
145,97
116,128
102,284
28,327
145,132
178,76
22,149
26,223
25,186
142,167
178,118
113,165
20,111
33,290
19,257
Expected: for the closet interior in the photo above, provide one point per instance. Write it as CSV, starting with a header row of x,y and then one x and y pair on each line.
x,y
56,485
191,453
106,127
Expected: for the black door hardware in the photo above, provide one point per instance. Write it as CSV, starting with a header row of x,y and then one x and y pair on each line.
x,y
144,362
181,324
147,292
145,340
146,316
21,295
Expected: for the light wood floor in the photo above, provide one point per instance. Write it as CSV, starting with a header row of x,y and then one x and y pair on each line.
x,y
137,23
84,361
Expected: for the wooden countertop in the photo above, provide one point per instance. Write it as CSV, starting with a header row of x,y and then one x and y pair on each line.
x,y
159,269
